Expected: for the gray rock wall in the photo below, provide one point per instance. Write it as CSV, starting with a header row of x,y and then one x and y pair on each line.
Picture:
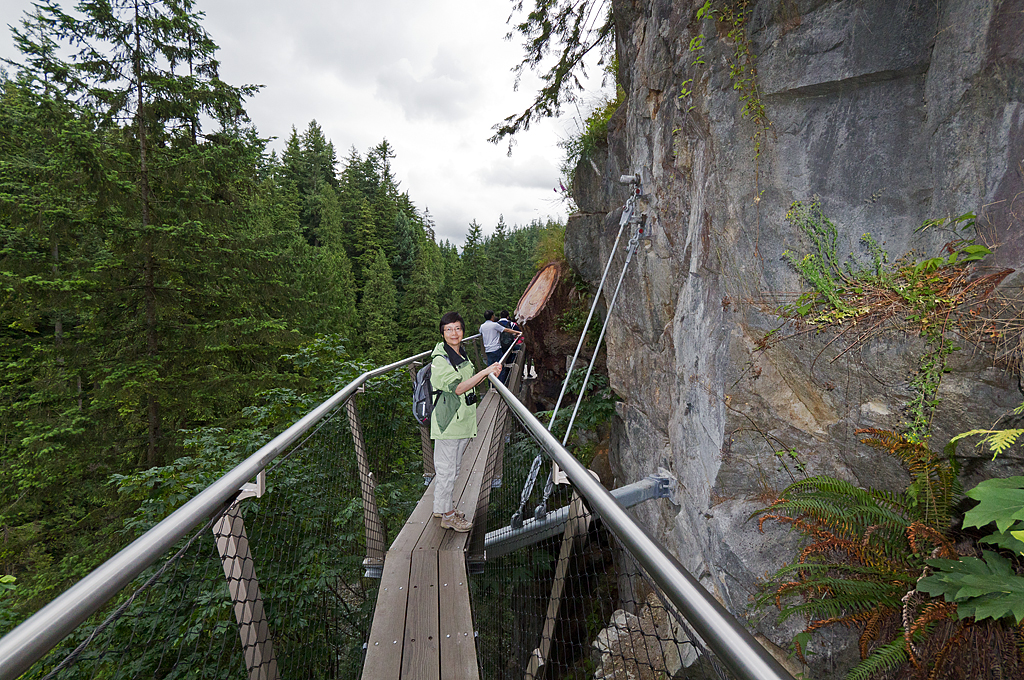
x,y
893,112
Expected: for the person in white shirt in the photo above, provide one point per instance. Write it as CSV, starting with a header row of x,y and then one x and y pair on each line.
x,y
490,330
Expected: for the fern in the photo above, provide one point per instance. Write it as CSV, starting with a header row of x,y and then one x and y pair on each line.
x,y
866,547
885,658
997,441
934,486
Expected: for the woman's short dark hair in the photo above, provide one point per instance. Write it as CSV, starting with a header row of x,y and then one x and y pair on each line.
x,y
451,317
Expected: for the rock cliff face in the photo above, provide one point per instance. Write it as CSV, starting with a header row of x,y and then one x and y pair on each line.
x,y
892,112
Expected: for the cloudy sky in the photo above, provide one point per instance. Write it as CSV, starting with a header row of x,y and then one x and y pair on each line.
x,y
431,76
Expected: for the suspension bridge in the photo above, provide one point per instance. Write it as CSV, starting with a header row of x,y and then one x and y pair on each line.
x,y
318,557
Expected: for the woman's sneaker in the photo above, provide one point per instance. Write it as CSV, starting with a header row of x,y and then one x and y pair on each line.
x,y
455,523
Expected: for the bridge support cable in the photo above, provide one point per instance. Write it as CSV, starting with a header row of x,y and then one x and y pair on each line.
x,y
160,606
628,216
624,604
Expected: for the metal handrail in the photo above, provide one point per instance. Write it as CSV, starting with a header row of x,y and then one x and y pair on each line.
x,y
37,635
735,647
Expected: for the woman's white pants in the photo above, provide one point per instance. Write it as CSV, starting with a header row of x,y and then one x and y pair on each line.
x,y
447,459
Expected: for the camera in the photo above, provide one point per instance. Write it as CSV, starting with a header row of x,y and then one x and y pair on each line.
x,y
470,398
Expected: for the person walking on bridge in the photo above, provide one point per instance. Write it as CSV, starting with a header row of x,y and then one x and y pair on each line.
x,y
490,332
453,419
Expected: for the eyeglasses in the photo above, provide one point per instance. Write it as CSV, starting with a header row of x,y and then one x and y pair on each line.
x,y
453,329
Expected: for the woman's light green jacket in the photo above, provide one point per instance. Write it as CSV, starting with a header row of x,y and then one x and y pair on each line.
x,y
451,418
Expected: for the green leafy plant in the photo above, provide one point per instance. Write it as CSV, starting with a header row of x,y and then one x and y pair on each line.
x,y
989,586
930,297
743,68
866,549
8,618
888,564
997,441
592,135
696,49
981,588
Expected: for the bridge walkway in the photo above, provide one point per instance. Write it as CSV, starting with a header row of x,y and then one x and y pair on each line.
x,y
422,624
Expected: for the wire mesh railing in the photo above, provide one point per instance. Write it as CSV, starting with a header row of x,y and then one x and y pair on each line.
x,y
276,579
598,599
266,580
575,604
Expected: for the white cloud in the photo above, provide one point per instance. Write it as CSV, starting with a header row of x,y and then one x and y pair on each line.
x,y
445,93
534,172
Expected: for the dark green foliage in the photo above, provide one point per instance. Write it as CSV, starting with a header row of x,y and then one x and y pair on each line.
x,y
983,588
170,292
989,587
377,312
865,548
569,29
592,418
1000,501
420,309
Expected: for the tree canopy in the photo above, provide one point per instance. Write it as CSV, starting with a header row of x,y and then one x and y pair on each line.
x,y
160,268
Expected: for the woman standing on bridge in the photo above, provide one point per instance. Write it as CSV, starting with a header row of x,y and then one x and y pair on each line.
x,y
453,420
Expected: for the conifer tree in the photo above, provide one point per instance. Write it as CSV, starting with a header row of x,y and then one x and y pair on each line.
x,y
366,244
129,67
51,180
331,290
405,250
384,197
420,308
473,292
377,311
310,166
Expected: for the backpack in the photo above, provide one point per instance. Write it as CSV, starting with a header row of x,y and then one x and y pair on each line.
x,y
506,339
423,396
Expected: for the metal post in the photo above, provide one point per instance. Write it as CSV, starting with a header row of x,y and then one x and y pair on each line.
x,y
235,557
374,561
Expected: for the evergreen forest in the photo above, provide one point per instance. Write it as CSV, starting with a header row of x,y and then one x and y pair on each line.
x,y
169,286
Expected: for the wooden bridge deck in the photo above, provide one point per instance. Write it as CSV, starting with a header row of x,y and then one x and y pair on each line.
x,y
422,625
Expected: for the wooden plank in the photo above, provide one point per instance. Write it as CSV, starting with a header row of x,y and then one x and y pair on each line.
x,y
384,648
418,522
474,466
408,604
467,488
421,658
458,642
495,452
